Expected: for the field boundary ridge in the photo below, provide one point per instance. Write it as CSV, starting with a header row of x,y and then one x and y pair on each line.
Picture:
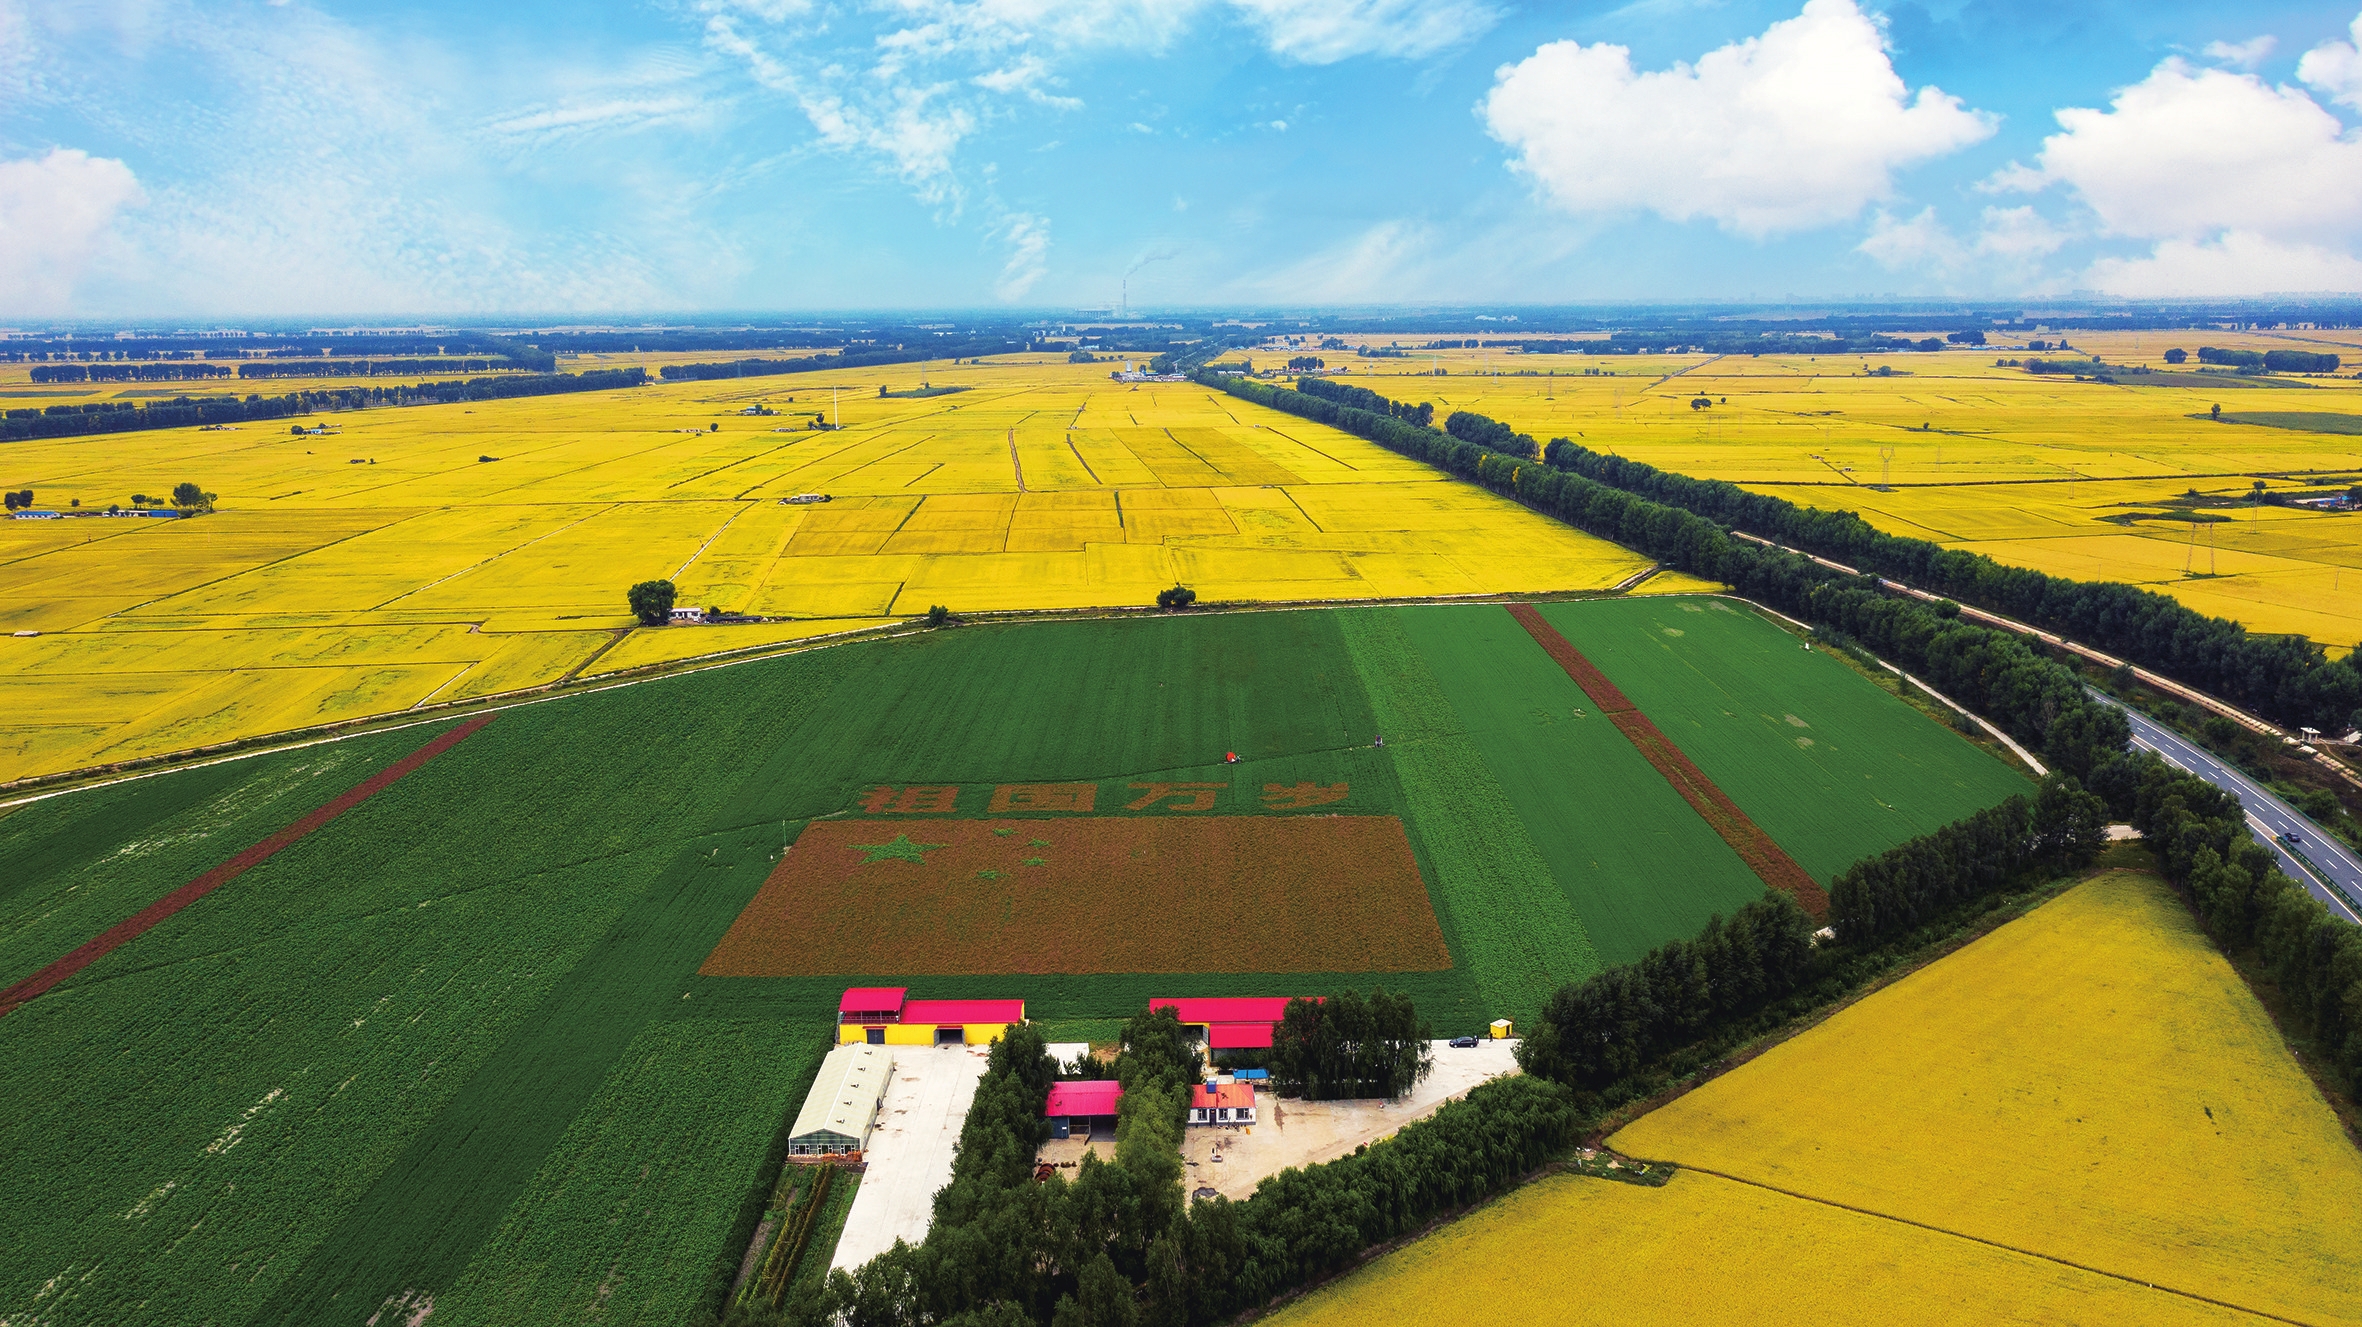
x,y
1757,849
1992,1244
138,924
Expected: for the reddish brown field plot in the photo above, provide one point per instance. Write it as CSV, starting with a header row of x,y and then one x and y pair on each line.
x,y
1102,894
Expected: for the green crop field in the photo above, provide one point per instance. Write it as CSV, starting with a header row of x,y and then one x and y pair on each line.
x,y
1811,750
454,1045
1630,858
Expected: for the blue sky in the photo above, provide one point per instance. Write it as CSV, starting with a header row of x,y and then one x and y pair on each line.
x,y
168,159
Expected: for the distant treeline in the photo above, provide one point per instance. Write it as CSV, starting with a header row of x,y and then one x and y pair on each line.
x,y
2270,361
69,421
1718,341
2039,701
2287,678
144,372
843,359
367,368
182,371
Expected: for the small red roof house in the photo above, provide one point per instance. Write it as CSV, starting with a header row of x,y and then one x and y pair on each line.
x,y
1085,1108
1222,1103
885,1016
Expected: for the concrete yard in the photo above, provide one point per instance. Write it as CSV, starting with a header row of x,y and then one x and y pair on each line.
x,y
910,1153
1304,1133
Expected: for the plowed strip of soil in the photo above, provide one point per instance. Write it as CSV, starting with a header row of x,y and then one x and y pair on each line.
x,y
132,927
1756,848
1088,895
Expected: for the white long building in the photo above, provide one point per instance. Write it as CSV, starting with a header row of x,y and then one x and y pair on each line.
x,y
842,1106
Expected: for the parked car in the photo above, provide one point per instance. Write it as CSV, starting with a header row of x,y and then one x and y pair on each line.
x,y
1463,1042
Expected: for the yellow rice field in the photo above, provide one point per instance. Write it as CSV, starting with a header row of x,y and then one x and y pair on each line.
x,y
2025,469
441,552
1568,1251
2081,1118
2091,1083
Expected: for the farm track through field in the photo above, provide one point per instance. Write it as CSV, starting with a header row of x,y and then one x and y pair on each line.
x,y
138,924
1756,848
1934,1229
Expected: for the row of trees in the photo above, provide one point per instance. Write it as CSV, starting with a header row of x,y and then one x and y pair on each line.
x,y
1362,398
1911,884
2285,677
1613,1036
70,421
2270,361
2039,701
1594,1032
143,372
1346,1047
848,358
367,368
1490,434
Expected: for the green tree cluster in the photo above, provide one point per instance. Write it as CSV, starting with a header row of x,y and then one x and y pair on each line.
x,y
1345,1047
651,602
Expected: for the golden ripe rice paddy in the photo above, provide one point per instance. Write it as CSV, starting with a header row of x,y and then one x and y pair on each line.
x,y
1573,1252
2083,1117
442,552
2091,1083
2074,478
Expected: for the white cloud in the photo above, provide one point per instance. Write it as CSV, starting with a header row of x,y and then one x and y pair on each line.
x,y
2018,232
1800,127
2335,68
1323,32
2007,250
2190,152
56,213
1028,237
2244,55
2237,263
1919,243
2241,186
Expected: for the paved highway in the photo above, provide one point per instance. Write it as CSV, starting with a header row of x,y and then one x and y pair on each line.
x,y
2328,869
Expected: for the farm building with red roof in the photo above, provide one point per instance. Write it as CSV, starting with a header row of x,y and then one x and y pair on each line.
x,y
1084,1109
1229,1022
887,1016
1222,1103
